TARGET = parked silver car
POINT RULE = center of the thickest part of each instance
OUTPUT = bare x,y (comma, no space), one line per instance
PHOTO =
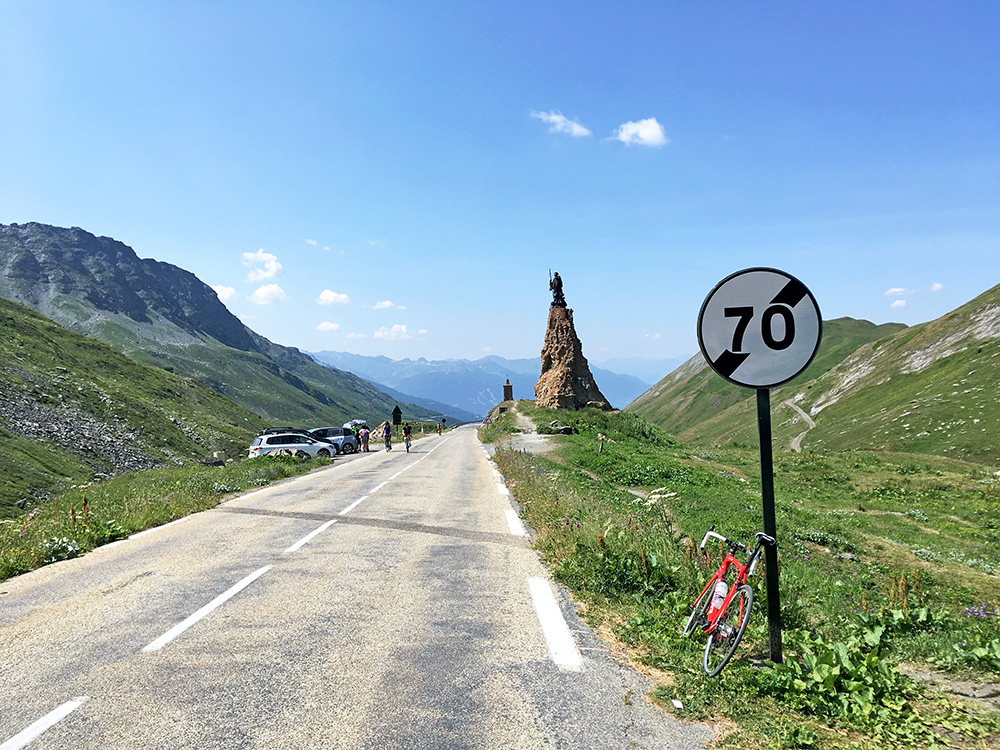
342,437
293,442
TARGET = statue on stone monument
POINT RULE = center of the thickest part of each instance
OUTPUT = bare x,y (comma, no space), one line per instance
555,285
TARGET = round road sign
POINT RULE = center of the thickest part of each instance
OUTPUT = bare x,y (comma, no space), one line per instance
759,328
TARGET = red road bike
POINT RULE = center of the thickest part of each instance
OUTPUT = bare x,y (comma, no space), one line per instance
722,611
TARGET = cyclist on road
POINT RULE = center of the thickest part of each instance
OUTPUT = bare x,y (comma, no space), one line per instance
387,434
407,434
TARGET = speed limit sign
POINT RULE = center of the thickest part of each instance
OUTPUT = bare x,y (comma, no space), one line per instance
759,327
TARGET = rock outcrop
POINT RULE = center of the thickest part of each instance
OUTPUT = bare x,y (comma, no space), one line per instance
566,381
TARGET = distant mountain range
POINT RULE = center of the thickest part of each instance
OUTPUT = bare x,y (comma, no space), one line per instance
929,388
163,315
473,386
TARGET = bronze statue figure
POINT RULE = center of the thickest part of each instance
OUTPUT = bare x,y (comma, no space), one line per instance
555,285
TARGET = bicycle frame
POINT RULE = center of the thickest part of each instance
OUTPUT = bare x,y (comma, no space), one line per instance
743,572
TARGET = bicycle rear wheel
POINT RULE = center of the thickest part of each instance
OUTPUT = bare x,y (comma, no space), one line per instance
697,620
728,633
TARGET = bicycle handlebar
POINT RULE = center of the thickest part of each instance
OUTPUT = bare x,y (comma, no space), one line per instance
711,534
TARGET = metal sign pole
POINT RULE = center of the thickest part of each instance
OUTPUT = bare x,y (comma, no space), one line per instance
760,328
767,496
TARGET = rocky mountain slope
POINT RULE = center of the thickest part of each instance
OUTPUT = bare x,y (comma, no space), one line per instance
931,388
163,315
73,409
475,386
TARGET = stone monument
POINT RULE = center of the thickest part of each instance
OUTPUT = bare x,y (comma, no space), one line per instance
566,381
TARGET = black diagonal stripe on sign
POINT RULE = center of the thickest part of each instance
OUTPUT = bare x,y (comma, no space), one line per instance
791,294
728,361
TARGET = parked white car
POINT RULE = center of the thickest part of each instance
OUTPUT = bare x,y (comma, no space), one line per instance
292,442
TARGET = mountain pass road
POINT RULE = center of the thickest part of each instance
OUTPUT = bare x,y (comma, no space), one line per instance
388,601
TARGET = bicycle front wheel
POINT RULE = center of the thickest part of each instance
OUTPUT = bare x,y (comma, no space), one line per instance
698,620
728,633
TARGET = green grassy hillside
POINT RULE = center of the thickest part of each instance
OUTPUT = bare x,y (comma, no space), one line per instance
888,563
931,388
693,393
73,409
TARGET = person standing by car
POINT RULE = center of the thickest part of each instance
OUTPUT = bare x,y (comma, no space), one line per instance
407,434
363,434
387,434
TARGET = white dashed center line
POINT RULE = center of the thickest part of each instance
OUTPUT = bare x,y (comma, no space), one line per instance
175,631
309,537
36,730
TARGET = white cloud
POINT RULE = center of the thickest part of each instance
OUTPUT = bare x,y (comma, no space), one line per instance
328,297
559,123
487,349
225,292
267,294
357,336
897,304
898,291
328,326
270,265
646,132
422,332
396,333
384,304
376,243
653,336
311,242
935,287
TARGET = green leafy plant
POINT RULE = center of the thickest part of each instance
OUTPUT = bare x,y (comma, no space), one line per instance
841,681
59,548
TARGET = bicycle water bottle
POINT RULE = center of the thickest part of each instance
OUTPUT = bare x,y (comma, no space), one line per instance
718,596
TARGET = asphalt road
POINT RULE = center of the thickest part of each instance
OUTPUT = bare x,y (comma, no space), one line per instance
384,602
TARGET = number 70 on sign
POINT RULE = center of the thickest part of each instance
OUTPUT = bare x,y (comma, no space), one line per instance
759,327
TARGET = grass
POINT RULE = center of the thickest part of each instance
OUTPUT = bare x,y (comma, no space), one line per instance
87,517
885,558
86,387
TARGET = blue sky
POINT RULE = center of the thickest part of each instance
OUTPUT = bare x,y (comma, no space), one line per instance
407,173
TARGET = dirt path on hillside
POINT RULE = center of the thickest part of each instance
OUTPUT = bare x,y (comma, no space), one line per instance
796,444
528,439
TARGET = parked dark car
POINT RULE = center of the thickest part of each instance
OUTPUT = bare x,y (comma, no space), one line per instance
342,437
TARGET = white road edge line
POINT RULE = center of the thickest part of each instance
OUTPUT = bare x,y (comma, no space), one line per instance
353,505
562,648
176,630
309,537
154,528
376,489
514,522
36,730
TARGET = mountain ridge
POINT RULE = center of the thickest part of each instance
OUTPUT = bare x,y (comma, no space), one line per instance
163,315
927,388
475,386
